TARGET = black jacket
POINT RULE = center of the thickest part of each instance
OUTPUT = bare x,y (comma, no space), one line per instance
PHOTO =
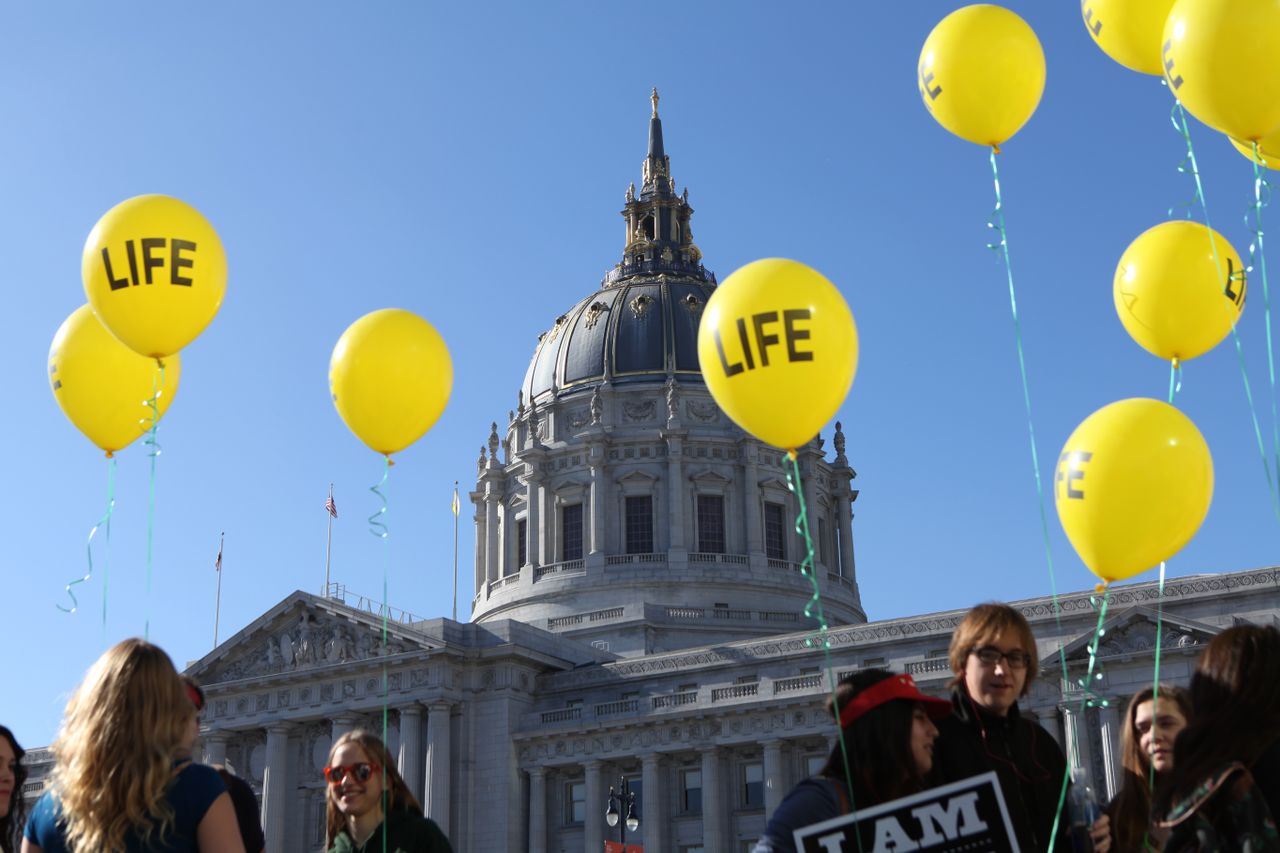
1026,759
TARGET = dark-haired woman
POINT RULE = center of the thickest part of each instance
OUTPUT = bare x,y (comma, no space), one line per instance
369,807
1224,791
12,775
888,732
1152,723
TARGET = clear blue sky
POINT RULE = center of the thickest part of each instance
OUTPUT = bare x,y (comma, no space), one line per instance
467,161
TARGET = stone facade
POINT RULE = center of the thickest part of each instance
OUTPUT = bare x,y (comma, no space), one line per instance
640,611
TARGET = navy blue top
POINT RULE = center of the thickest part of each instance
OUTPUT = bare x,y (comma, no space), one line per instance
191,794
812,801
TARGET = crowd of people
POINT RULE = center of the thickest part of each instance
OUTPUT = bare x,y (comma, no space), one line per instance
1201,767
124,778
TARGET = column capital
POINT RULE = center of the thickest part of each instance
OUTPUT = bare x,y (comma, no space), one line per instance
593,764
438,706
538,772
279,728
413,709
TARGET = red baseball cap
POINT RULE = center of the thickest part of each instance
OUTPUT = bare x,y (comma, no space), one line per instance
896,687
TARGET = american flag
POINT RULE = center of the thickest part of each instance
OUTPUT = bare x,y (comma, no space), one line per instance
217,564
331,506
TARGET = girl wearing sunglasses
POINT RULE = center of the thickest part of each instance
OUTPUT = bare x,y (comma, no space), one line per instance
368,800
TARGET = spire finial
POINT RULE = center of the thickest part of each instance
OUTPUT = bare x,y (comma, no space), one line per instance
654,99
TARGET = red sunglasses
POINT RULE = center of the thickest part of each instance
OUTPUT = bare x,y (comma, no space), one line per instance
360,772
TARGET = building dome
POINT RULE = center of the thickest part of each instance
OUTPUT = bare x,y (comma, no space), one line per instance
634,330
625,508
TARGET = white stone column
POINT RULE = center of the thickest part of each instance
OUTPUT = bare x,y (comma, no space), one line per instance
753,521
593,830
537,810
480,520
597,499
274,790
1110,737
533,530
410,763
438,760
215,748
492,546
1071,735
775,786
653,822
844,521
675,495
342,724
713,807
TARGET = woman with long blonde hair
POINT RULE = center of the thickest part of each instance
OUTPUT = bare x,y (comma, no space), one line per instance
369,807
122,778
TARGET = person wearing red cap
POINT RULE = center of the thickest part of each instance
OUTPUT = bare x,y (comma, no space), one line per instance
888,733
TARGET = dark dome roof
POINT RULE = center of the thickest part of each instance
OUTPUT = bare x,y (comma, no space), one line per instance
640,329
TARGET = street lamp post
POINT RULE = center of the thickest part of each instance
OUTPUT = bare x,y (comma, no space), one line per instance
624,800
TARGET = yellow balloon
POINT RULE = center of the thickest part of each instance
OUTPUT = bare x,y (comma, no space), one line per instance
1268,147
1220,59
1132,486
778,349
155,273
390,376
981,73
102,386
1179,289
1128,31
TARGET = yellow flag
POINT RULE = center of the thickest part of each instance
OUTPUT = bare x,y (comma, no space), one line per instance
455,500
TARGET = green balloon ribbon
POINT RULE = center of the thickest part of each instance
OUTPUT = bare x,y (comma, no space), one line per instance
1178,117
104,524
153,452
1261,198
813,610
378,527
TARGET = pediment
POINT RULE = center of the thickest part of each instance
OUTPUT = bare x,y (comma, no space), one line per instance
304,633
1133,632
710,478
637,478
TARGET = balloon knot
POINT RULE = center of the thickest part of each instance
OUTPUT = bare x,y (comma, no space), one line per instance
791,454
110,455
1101,588
160,362
995,149
390,462
1175,362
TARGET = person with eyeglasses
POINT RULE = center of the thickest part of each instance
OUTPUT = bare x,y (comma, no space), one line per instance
994,660
369,807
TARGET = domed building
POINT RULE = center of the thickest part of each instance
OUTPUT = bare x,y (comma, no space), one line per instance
639,614
625,509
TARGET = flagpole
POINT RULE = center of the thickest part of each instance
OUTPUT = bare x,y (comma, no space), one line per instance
217,606
328,545
455,551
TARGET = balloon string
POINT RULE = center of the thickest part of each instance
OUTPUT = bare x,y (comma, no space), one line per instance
378,527
103,522
1261,198
153,445
1179,119
1155,692
813,610
1001,246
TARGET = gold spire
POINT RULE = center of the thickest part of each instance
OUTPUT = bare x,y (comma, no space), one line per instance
654,99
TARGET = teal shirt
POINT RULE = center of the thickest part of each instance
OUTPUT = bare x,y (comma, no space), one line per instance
405,833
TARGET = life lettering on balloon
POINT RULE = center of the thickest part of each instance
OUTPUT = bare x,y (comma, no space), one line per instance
1175,79
1094,25
1070,472
763,339
1236,296
148,254
926,84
